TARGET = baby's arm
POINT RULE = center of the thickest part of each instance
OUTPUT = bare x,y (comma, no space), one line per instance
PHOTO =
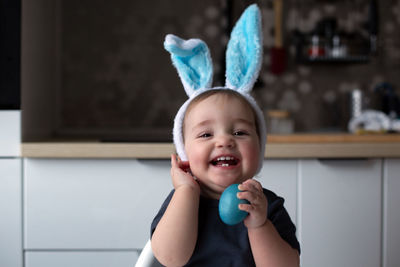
175,236
268,248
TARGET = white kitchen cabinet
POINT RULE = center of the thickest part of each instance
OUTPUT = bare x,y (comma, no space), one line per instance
280,176
10,133
340,212
391,213
81,259
10,212
87,212
92,204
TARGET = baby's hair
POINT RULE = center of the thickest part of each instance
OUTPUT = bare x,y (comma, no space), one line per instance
221,91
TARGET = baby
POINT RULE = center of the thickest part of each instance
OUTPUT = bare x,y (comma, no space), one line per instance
219,134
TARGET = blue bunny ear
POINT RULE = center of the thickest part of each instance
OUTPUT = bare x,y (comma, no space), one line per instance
192,60
244,52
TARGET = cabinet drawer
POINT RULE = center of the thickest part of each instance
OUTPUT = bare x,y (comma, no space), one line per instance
92,204
81,259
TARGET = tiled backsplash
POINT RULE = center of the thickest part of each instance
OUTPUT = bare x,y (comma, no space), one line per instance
117,80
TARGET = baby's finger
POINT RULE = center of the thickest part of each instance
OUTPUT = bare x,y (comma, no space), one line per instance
246,207
251,185
175,164
247,187
174,161
256,184
252,197
244,186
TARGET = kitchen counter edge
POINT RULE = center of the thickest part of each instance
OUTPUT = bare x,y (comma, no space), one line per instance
278,146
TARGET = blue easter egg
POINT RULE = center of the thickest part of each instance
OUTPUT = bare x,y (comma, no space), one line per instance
229,211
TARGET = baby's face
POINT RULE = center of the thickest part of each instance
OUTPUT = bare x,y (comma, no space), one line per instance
221,142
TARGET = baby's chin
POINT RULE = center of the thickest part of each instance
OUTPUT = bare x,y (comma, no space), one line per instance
215,190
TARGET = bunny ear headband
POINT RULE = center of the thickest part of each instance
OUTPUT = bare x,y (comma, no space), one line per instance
243,62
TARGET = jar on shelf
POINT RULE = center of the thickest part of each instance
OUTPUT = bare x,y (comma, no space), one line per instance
279,122
316,48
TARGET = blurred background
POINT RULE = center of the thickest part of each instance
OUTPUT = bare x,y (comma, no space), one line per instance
116,82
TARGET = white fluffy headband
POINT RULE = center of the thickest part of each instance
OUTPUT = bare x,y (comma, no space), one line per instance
243,62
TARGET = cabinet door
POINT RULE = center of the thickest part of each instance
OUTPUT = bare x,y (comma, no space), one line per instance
391,238
10,133
81,259
280,176
340,212
10,213
92,204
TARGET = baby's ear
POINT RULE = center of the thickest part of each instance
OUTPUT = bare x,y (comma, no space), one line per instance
244,52
192,60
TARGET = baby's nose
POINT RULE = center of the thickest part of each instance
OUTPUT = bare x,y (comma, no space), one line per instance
225,140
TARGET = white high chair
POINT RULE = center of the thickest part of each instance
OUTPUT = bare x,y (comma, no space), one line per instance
146,257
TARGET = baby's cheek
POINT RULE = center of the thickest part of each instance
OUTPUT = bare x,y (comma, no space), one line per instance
195,163
197,166
253,154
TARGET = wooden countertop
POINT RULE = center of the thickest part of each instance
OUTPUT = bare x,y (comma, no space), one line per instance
278,146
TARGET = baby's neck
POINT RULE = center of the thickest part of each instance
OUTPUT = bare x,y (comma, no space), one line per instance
208,193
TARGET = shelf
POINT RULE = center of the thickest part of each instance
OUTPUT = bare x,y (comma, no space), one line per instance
327,59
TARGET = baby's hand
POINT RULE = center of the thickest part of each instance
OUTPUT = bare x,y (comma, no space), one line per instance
257,209
181,175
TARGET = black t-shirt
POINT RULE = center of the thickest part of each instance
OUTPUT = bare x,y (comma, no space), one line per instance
219,244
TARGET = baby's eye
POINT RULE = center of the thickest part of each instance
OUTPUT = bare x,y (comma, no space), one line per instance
204,135
239,133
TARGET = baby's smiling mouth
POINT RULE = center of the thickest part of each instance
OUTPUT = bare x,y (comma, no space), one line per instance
224,161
